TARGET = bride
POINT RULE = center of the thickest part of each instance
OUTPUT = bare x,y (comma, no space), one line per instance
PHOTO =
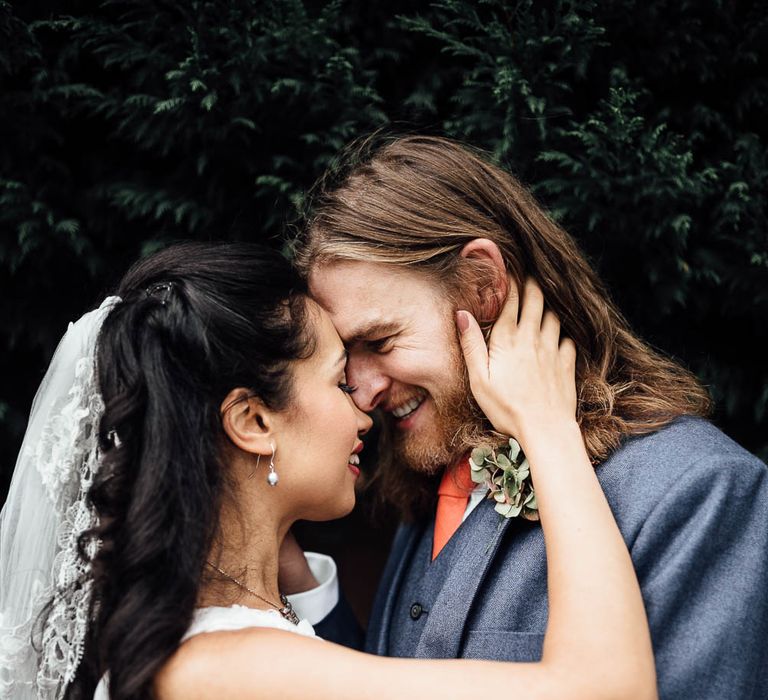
181,430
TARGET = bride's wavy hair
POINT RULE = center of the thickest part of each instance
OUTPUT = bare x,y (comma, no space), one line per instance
196,320
415,201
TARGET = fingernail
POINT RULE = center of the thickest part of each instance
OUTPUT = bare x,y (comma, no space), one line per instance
462,320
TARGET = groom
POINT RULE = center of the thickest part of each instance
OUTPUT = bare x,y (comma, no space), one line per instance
413,230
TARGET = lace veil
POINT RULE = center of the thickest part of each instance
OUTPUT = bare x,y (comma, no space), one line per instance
40,522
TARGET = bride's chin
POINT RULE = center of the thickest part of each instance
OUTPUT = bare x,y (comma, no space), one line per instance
338,509
346,508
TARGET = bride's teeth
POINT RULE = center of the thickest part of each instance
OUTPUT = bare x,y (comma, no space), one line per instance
354,459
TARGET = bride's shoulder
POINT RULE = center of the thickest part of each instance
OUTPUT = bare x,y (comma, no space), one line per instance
227,663
224,646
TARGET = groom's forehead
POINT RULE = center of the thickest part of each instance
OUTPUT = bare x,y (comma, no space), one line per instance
369,300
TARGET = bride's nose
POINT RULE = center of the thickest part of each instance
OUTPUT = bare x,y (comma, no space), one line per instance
364,422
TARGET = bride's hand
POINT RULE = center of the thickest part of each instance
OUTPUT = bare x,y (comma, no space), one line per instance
524,379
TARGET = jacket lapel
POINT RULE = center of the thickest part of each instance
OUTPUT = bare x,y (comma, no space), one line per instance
377,639
443,631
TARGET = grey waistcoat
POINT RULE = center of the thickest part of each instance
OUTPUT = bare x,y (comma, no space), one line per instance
421,585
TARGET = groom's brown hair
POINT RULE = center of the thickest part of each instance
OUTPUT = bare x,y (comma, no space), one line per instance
417,200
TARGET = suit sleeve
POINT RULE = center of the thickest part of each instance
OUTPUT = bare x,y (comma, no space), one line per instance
341,626
702,561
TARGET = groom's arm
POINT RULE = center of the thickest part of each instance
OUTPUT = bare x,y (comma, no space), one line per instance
702,561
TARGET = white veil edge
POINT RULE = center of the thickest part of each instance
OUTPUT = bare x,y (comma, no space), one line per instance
45,513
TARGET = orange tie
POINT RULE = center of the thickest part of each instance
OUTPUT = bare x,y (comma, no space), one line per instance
453,495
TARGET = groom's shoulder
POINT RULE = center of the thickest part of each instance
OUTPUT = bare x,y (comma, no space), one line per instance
687,447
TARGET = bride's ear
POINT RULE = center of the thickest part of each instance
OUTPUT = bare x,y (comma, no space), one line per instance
247,422
485,280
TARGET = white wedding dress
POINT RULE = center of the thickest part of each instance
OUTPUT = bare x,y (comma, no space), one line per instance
220,619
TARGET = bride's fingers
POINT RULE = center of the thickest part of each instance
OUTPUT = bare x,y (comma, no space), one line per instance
504,328
473,348
508,317
533,307
567,356
550,330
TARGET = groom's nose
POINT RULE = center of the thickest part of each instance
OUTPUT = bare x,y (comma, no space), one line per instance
371,382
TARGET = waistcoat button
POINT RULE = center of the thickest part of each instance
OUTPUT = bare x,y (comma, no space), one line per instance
416,611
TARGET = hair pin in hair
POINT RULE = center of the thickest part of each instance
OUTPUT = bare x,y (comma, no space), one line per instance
162,290
113,439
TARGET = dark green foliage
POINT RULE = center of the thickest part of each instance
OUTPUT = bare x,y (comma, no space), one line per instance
639,124
142,122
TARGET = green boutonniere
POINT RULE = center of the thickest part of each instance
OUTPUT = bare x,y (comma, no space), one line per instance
508,477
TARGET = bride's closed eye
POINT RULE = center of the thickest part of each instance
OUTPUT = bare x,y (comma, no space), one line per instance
346,388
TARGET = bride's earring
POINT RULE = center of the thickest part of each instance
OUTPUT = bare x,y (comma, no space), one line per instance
272,477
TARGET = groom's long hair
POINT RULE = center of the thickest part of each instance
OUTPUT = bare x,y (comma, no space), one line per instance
417,200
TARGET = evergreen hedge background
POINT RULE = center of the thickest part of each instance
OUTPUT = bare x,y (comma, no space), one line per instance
639,123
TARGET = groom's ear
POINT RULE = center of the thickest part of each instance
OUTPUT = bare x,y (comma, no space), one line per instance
485,281
247,422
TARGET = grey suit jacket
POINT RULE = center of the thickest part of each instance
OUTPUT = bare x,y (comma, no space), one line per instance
693,509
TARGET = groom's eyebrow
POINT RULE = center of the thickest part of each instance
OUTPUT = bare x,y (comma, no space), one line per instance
373,329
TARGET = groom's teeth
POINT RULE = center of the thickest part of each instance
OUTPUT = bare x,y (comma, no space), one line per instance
354,459
408,407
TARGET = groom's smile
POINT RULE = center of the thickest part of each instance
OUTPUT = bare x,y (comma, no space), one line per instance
404,411
404,357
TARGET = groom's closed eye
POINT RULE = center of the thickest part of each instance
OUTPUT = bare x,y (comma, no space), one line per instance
374,332
380,344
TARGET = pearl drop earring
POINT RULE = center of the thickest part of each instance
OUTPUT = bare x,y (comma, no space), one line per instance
272,477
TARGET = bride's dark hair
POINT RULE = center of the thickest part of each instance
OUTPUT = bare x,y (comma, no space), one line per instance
196,320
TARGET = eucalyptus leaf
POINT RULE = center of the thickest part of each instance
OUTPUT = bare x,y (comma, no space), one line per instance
508,482
479,454
531,515
479,477
508,511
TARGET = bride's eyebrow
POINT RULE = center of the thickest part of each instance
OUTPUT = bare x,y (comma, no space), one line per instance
373,329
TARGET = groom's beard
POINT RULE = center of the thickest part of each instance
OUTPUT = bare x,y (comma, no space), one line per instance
457,426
